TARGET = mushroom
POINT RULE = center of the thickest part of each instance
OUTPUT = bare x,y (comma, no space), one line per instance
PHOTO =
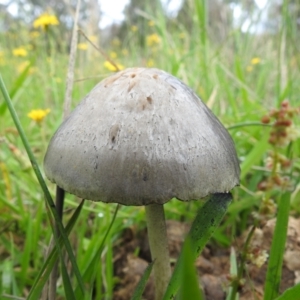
142,137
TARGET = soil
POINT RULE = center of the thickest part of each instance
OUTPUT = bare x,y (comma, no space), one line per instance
132,255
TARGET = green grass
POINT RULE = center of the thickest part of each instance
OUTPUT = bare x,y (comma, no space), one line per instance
218,71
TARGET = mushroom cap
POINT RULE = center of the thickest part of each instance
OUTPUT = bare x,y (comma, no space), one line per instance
141,136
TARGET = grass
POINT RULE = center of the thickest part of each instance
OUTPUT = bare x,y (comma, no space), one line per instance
238,92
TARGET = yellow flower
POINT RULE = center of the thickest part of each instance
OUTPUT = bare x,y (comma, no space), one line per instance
134,28
153,39
38,115
150,63
82,46
21,51
108,65
151,23
255,60
45,20
113,55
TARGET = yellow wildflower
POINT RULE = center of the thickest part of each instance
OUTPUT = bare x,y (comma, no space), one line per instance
134,28
255,60
151,23
82,46
108,65
113,54
150,63
38,115
21,51
153,39
45,20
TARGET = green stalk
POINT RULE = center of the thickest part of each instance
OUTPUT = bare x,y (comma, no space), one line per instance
49,200
246,124
207,220
273,276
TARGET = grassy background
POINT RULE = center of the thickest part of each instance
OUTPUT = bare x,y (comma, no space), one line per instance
238,90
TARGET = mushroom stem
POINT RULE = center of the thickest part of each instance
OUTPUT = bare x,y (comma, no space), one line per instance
158,240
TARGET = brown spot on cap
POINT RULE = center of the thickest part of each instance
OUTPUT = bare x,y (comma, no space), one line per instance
131,85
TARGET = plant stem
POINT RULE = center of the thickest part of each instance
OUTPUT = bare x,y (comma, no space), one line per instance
273,276
158,240
59,203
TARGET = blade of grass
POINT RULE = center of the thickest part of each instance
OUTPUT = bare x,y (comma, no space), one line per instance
26,252
17,85
255,155
89,273
273,275
109,268
69,293
66,279
6,278
189,280
233,272
246,124
14,287
42,183
138,292
45,271
207,220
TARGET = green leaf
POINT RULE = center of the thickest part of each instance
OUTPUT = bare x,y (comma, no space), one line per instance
207,220
16,86
189,280
255,155
137,295
67,282
89,272
292,293
26,252
47,267
233,272
273,275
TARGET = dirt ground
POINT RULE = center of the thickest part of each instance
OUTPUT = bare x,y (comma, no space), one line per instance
213,265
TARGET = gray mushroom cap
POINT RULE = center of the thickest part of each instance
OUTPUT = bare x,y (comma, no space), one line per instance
141,136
